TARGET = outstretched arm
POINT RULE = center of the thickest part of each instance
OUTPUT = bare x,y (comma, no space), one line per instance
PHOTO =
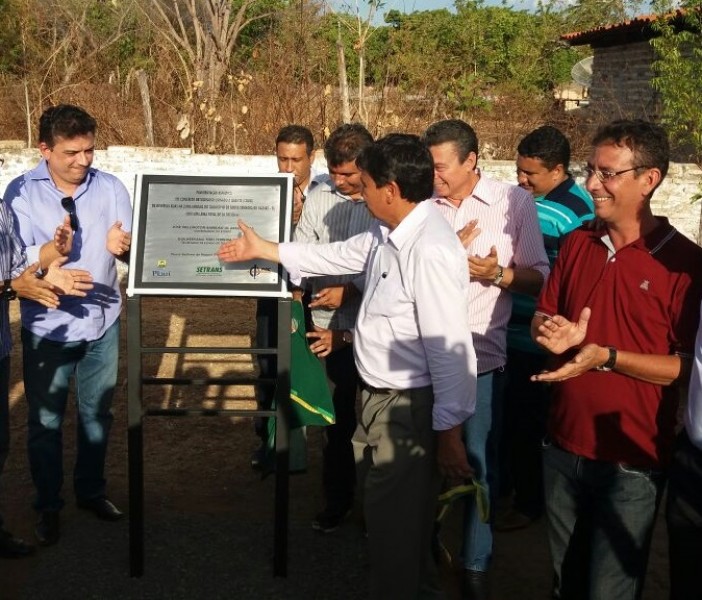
248,246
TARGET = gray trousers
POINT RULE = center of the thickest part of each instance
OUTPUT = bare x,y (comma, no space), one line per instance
395,451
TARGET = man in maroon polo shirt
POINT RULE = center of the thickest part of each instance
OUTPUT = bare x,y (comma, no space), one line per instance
619,313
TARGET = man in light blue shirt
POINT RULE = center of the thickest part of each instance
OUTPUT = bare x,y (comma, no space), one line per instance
20,280
79,339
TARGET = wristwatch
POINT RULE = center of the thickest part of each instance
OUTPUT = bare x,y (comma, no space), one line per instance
500,276
347,336
7,292
611,361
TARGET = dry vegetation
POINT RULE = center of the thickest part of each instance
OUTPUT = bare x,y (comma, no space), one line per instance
282,70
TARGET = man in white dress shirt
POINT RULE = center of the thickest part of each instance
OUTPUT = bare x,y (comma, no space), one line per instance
413,350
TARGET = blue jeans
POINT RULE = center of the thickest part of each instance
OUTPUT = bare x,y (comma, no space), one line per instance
48,368
482,438
600,521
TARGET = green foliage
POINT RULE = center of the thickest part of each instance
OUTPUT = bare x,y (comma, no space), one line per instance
10,41
588,14
678,76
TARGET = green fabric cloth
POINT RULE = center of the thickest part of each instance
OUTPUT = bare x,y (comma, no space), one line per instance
310,396
309,390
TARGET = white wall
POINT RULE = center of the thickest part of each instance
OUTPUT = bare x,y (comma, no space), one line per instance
672,200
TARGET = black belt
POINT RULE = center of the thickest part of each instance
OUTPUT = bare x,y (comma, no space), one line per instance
375,390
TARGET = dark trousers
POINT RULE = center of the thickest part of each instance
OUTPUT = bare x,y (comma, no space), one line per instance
684,518
4,414
339,466
524,427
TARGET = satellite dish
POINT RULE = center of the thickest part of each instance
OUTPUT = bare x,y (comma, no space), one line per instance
582,72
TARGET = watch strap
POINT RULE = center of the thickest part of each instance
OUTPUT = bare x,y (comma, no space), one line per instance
7,292
500,275
611,360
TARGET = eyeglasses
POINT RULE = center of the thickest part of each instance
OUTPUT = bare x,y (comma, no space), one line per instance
2,161
69,205
605,176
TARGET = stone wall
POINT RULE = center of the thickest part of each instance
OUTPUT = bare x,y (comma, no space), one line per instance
621,77
673,199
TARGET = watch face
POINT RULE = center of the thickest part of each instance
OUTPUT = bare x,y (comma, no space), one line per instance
7,292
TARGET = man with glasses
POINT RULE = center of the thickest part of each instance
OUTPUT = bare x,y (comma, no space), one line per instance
619,315
20,280
80,339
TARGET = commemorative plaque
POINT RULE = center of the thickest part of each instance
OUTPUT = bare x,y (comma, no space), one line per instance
181,220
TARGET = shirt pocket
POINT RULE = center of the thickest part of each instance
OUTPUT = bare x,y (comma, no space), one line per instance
388,300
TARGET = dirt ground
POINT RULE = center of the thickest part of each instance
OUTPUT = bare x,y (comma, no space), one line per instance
208,515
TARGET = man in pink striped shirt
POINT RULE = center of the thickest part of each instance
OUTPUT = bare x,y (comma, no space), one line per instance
499,226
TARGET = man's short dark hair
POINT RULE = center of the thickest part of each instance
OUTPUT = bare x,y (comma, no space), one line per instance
296,134
548,145
453,130
647,141
346,143
404,159
64,121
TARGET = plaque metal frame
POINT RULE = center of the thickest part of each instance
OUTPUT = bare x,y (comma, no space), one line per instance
213,218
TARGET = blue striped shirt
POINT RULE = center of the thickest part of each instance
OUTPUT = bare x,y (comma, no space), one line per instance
12,264
329,216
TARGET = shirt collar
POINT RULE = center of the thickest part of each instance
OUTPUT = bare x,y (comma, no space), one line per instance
41,172
405,231
651,243
481,192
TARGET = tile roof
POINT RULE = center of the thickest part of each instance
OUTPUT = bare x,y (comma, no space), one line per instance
636,29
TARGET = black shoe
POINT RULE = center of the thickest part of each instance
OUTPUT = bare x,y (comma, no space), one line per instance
102,508
12,547
475,585
48,528
329,519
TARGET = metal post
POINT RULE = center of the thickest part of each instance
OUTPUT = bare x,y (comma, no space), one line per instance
135,438
282,441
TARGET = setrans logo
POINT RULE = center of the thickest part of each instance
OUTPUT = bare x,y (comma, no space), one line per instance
208,270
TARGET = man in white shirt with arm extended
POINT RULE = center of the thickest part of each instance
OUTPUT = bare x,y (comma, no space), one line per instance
413,350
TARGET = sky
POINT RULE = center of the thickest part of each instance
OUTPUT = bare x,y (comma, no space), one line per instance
409,6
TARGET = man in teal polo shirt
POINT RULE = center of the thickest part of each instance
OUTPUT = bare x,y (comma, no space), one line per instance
562,206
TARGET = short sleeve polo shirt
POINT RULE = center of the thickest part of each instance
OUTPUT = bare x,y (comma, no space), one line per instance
644,298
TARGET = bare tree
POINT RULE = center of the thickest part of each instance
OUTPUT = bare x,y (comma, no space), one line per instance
362,27
204,34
